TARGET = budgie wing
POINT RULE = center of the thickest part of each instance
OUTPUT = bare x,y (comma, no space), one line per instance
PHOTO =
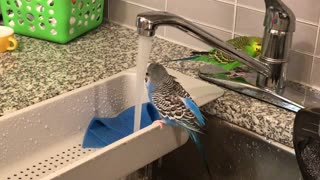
173,109
189,103
177,88
194,109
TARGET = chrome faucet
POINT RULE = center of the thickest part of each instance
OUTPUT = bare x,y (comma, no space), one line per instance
279,23
279,27
271,66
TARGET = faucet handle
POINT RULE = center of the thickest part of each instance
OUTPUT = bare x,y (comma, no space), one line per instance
279,17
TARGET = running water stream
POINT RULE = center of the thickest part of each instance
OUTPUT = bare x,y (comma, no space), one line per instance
144,49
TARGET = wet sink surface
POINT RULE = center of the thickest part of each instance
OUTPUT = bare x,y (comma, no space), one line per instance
233,154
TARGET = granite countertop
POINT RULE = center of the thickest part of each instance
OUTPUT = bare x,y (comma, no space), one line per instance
39,70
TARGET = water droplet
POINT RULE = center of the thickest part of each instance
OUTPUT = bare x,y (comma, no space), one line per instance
278,150
4,134
46,126
30,139
79,127
35,142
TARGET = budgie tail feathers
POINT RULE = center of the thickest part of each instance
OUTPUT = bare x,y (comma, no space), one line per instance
190,126
185,58
195,138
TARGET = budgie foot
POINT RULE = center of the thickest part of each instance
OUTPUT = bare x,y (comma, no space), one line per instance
160,122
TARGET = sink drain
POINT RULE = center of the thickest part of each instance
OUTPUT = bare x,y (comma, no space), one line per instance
51,164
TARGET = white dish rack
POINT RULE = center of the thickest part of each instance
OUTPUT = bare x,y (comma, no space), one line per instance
43,141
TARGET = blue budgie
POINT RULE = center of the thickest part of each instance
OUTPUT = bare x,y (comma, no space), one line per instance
174,104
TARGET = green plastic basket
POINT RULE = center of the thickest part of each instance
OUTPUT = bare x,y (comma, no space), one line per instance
54,20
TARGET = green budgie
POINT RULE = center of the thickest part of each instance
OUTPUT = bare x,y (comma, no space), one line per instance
249,44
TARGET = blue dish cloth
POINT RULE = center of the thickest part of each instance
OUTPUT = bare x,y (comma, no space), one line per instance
104,131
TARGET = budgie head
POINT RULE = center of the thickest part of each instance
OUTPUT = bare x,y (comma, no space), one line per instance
155,73
250,44
254,49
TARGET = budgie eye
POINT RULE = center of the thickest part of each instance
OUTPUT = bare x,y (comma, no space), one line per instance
147,74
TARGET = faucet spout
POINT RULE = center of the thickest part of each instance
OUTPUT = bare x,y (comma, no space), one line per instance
148,22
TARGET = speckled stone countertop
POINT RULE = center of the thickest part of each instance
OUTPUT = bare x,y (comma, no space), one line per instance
39,70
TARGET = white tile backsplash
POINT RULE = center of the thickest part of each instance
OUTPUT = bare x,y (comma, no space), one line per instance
304,38
318,46
257,4
221,18
249,22
308,10
155,4
125,13
315,76
175,34
204,11
300,63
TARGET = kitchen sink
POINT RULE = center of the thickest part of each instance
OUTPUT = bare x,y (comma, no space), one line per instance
44,141
233,153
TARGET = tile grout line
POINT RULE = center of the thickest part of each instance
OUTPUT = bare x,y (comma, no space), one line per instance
250,8
140,5
234,18
166,9
166,5
211,26
306,22
315,51
226,2
262,11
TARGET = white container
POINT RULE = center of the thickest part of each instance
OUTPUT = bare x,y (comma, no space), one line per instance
43,141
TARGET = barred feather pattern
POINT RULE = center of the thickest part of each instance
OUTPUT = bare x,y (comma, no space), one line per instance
240,42
221,57
167,98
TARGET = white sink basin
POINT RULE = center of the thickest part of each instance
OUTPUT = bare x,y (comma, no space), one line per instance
44,140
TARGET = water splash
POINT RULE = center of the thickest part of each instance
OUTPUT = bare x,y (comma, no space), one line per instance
144,49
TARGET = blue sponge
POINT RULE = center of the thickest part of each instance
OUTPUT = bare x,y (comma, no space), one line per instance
104,131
